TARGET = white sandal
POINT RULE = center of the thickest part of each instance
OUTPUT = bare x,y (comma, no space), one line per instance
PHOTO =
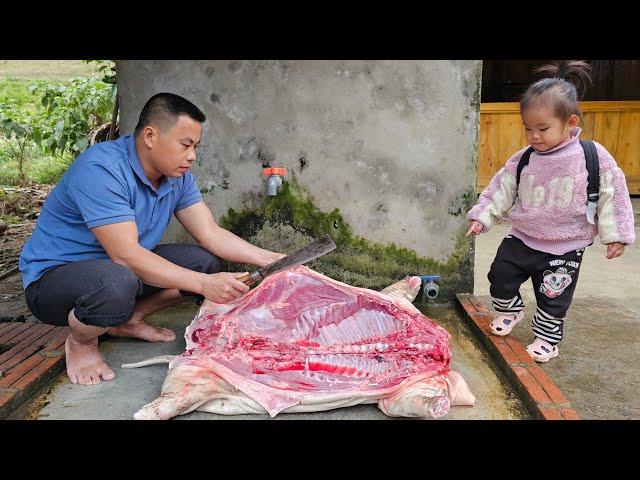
503,324
542,351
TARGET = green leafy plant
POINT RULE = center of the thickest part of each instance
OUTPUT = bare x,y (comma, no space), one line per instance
44,124
19,128
71,110
107,68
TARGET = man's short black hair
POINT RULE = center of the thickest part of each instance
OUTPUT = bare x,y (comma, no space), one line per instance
163,109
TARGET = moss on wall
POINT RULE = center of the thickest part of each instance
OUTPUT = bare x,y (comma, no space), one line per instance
290,220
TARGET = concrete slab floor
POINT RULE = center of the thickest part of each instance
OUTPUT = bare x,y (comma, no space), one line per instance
597,368
132,388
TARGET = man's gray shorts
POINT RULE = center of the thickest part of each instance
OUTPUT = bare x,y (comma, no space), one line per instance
102,292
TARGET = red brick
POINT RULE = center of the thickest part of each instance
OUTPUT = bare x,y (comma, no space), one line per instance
5,398
533,388
551,388
7,337
481,321
507,353
21,351
38,373
465,302
47,337
9,353
59,339
26,342
484,328
5,327
36,334
551,414
19,370
519,350
570,414
479,306
31,330
18,354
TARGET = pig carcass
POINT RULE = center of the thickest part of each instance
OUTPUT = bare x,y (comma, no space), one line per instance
303,342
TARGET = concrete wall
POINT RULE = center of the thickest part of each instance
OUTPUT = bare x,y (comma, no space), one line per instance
391,144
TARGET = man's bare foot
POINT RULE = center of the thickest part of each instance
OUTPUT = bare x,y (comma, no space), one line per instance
137,328
85,363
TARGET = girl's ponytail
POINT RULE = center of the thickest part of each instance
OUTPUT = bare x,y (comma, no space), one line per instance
563,84
577,72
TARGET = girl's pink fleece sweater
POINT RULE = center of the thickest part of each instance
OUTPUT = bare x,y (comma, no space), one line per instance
549,211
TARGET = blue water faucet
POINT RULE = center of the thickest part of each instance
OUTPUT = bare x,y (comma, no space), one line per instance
429,287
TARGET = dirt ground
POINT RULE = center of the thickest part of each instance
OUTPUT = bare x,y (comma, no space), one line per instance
19,210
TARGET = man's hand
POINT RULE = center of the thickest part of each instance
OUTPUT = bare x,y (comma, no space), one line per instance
223,287
615,249
474,227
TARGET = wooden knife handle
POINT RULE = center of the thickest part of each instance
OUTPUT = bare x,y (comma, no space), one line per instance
247,279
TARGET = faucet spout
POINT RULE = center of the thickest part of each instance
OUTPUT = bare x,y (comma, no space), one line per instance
273,182
275,179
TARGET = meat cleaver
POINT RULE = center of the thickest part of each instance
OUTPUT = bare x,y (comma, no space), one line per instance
319,247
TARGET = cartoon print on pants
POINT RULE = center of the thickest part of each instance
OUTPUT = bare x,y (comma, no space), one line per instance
553,284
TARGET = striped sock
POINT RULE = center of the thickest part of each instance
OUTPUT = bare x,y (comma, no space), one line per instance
547,327
513,305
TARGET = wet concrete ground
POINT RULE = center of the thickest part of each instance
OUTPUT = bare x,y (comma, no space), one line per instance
132,388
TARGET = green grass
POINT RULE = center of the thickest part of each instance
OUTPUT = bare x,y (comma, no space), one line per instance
46,69
17,91
40,168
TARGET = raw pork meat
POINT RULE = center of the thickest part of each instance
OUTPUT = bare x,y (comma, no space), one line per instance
303,342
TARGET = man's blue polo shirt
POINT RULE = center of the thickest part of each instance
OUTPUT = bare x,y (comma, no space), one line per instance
106,184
